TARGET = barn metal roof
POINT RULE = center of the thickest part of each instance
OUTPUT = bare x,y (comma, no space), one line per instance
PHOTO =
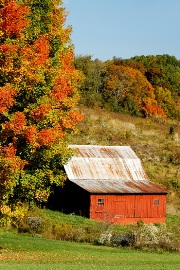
109,169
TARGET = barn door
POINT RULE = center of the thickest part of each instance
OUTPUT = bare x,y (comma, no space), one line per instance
120,209
143,206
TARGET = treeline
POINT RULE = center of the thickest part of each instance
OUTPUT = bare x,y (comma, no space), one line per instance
147,86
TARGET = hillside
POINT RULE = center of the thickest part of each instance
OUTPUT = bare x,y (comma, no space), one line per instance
146,86
156,144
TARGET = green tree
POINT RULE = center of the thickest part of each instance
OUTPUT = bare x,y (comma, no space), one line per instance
162,70
38,98
92,87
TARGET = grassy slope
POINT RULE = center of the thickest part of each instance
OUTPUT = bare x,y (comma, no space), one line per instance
151,140
154,145
24,252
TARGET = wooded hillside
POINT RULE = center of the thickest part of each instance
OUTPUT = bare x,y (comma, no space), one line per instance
147,86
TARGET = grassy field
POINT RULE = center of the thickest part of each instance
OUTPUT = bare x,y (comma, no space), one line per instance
25,252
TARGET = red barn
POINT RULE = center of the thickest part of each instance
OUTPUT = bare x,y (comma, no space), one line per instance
108,183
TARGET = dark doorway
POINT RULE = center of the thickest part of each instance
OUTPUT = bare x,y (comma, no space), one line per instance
70,199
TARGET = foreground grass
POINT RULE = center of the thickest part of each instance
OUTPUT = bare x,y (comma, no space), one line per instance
25,252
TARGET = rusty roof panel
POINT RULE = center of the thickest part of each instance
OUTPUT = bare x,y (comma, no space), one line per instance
97,151
105,168
109,169
116,186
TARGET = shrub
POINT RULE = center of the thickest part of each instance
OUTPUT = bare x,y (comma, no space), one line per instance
105,238
123,240
155,237
35,224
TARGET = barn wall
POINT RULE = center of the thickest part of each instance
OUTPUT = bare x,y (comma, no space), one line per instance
128,209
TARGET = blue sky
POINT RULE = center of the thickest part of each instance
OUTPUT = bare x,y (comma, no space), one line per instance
124,28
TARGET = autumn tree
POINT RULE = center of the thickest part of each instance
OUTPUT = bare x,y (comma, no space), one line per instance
38,98
129,90
166,101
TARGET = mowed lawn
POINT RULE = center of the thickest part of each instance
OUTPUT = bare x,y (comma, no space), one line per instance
30,253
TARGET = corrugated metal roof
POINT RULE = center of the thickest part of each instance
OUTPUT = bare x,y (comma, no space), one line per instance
109,169
120,187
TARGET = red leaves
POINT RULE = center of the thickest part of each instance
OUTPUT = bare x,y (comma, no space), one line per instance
41,112
38,62
58,132
61,89
76,116
13,18
68,58
9,151
15,163
153,110
71,119
8,48
17,124
46,137
30,134
38,53
42,49
6,98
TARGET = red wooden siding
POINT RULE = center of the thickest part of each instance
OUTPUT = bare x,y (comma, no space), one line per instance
128,209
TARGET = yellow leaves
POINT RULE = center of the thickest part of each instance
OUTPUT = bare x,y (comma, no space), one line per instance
13,163
18,212
39,103
42,195
5,210
9,55
71,102
58,18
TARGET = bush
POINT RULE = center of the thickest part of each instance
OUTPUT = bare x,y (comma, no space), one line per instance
32,225
155,237
35,224
105,238
123,240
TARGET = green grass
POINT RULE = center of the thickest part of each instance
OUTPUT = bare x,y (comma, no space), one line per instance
173,224
25,252
96,228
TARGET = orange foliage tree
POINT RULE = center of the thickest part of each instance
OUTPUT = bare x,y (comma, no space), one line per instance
129,89
38,99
